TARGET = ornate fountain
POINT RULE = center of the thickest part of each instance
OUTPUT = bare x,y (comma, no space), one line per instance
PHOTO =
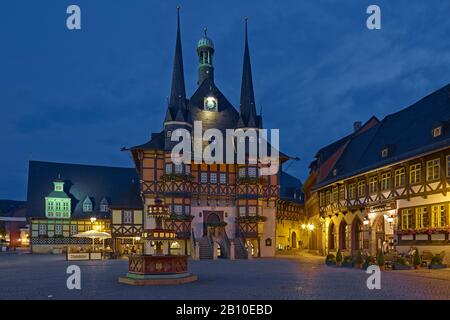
157,266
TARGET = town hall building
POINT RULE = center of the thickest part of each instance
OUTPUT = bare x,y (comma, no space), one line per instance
227,210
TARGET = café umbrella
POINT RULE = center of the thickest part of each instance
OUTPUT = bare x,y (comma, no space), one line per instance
93,234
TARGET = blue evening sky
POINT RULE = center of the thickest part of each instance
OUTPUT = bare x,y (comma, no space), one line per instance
79,96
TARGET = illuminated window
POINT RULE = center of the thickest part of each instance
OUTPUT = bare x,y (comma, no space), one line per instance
341,192
361,188
433,169
400,177
448,166
437,131
407,218
223,178
42,229
335,194
415,173
242,211
188,169
168,168
178,168
322,199
421,217
213,178
351,191
251,211
187,210
73,229
252,172
58,230
127,217
204,177
373,184
386,181
241,172
178,209
328,197
438,216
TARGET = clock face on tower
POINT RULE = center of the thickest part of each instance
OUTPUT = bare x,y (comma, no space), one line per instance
210,104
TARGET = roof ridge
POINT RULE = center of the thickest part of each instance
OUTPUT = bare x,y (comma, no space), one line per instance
79,164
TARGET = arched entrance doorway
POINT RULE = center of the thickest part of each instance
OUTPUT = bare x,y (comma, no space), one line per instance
357,234
331,237
343,228
211,218
294,240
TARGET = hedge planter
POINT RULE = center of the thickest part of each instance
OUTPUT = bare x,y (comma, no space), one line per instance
437,266
397,266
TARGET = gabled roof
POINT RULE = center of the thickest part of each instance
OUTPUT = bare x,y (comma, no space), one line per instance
120,185
225,118
407,134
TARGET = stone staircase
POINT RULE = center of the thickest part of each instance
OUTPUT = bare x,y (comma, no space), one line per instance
240,252
206,248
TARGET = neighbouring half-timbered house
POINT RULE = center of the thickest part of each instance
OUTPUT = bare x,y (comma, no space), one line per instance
63,199
385,186
220,208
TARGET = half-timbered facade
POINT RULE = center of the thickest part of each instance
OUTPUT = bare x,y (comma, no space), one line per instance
386,185
216,206
66,199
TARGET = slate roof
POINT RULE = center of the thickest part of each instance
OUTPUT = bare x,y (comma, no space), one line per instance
407,133
120,186
291,188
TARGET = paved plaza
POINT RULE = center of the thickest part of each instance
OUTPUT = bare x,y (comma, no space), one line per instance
30,276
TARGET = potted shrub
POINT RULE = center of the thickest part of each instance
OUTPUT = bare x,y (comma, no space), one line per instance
416,259
330,260
437,262
380,259
348,262
359,260
401,264
339,258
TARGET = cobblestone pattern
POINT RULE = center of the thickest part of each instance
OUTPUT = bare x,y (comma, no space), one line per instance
26,276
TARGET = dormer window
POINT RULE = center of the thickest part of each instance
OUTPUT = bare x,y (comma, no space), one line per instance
334,172
384,152
104,206
437,131
87,205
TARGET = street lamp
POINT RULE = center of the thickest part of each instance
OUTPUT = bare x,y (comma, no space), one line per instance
310,227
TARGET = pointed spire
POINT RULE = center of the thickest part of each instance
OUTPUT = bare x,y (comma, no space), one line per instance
247,102
177,99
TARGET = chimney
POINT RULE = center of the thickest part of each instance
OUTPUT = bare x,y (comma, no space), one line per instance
356,126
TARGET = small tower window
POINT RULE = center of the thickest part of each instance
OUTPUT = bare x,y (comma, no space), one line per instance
384,152
334,172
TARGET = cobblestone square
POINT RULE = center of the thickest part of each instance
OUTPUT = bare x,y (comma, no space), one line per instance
27,276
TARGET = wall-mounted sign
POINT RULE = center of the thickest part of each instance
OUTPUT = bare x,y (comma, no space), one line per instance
383,207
